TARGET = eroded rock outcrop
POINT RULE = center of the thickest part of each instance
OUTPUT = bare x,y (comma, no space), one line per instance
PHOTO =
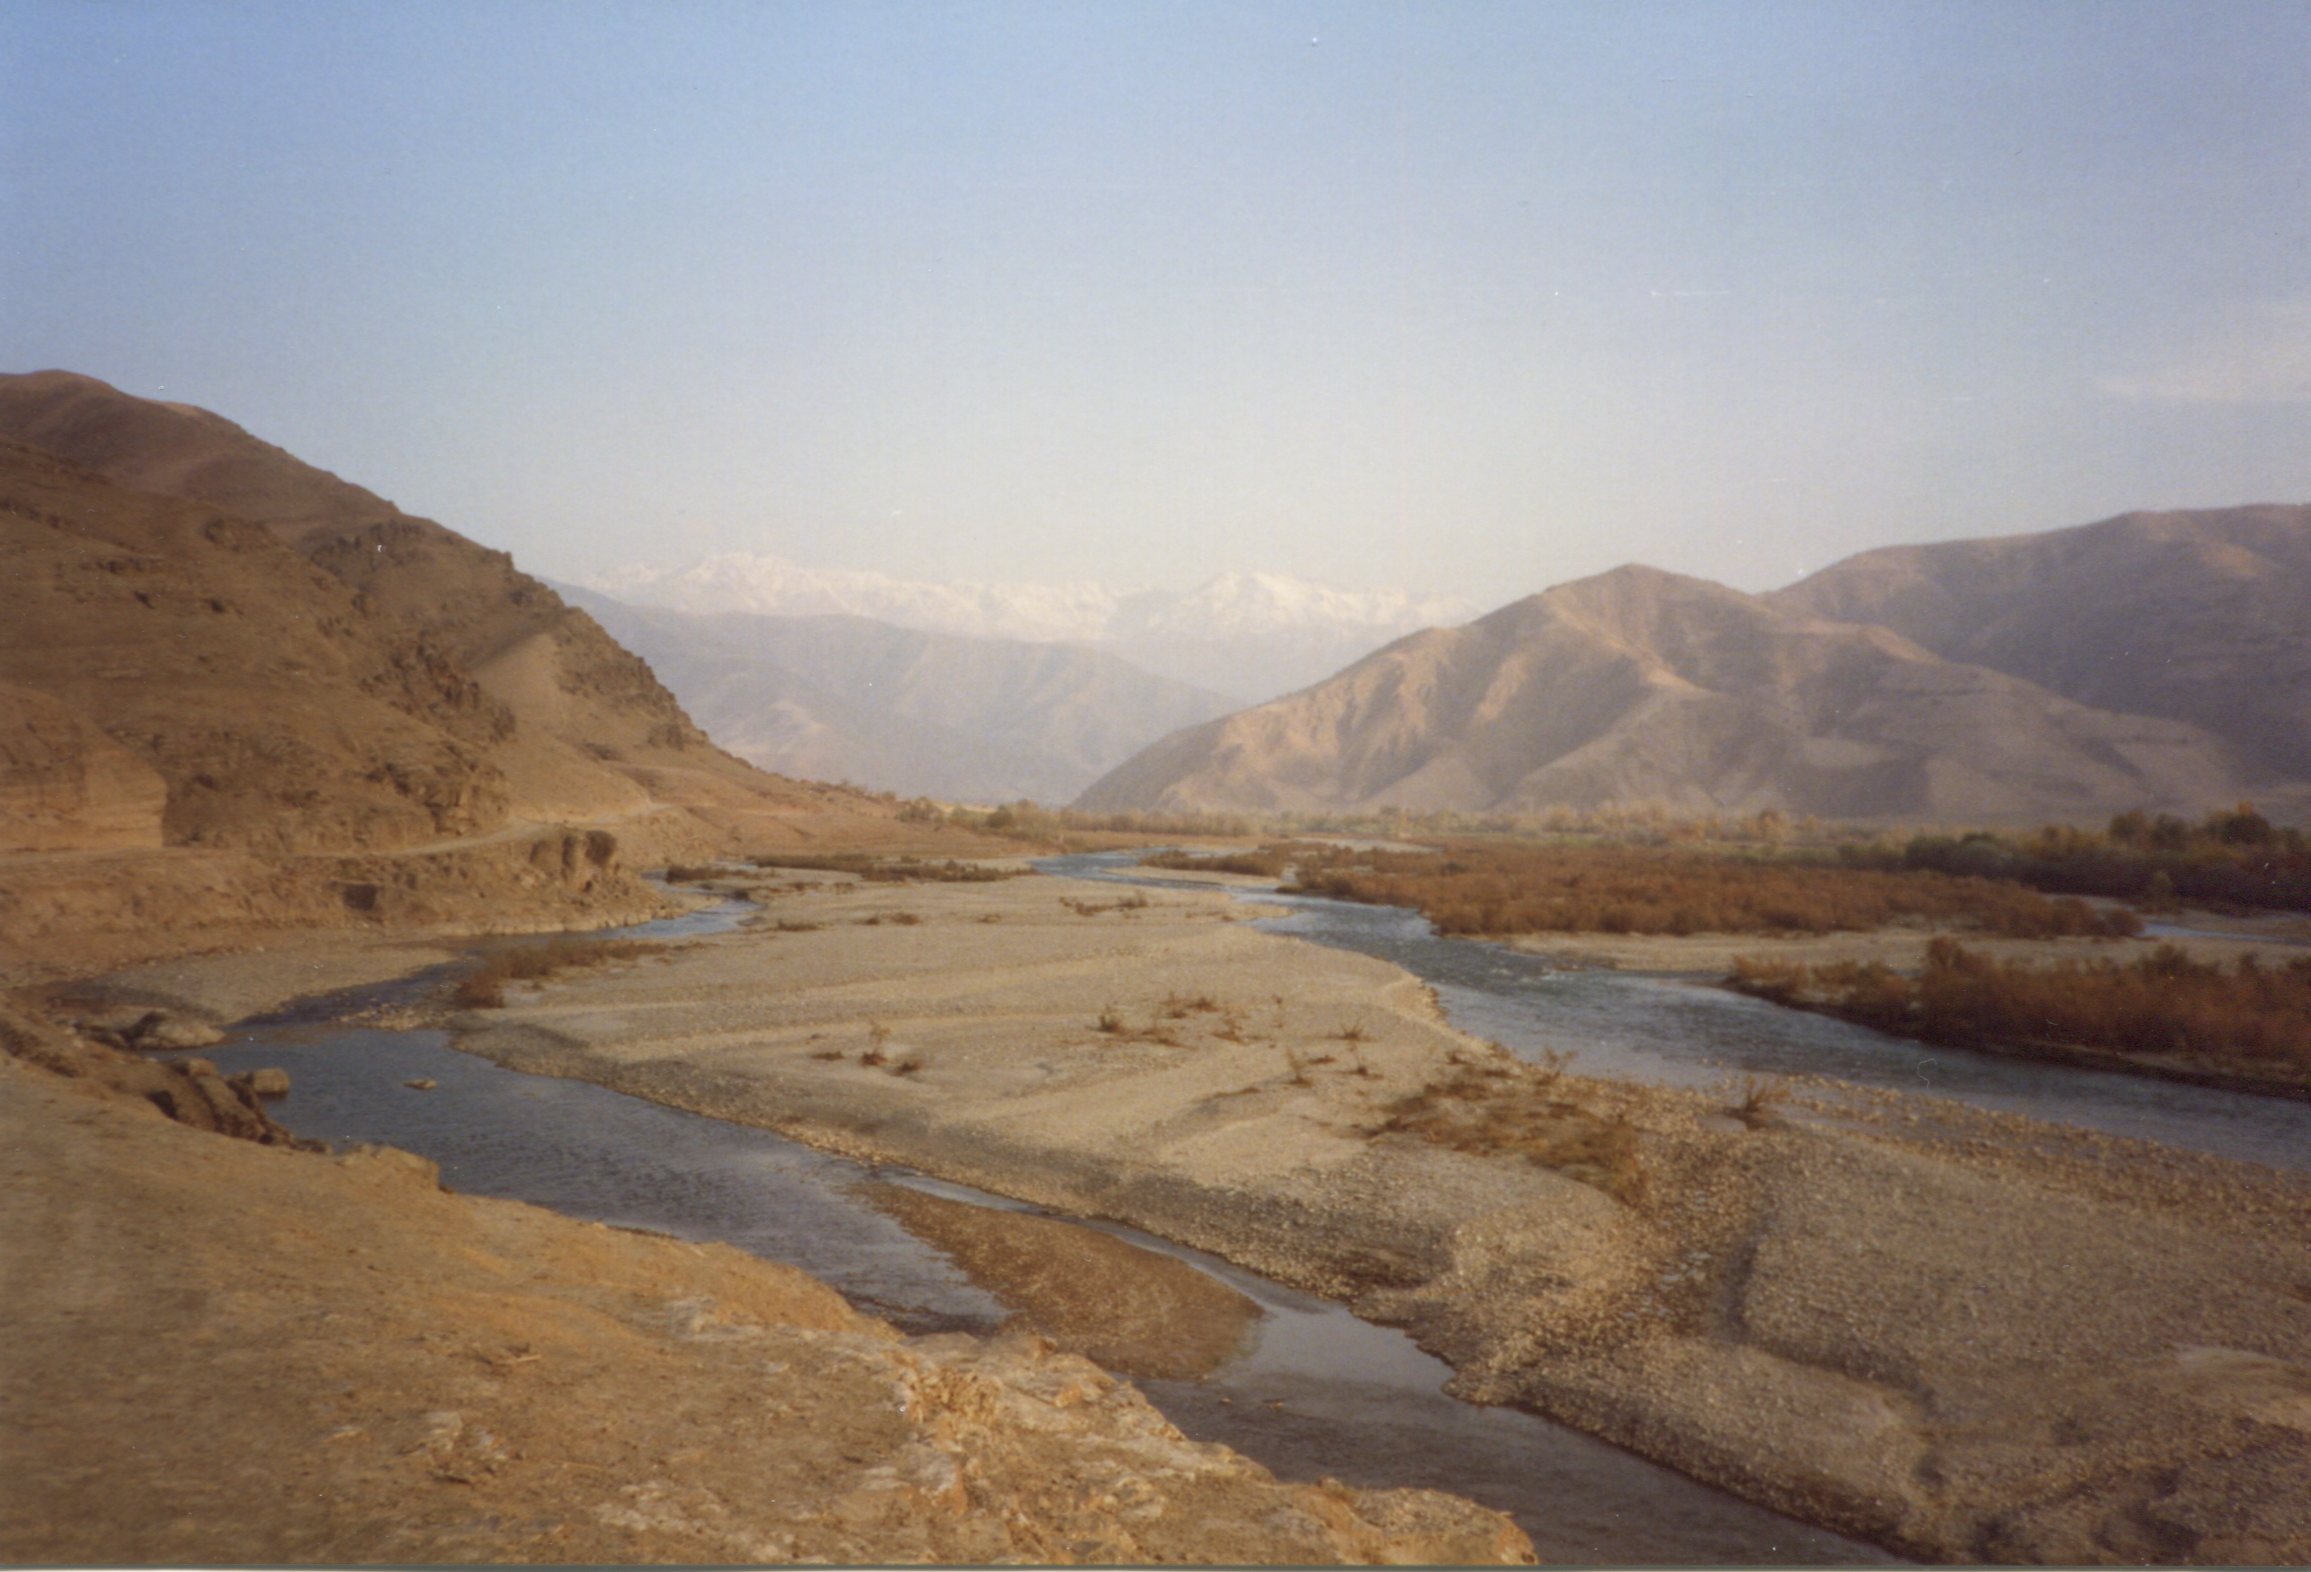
189,1091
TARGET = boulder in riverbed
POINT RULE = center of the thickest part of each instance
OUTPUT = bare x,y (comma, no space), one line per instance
267,1082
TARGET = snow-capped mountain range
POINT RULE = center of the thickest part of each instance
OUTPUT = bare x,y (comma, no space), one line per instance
1250,636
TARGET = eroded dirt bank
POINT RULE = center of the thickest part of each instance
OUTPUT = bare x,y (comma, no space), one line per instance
1962,1334
217,1351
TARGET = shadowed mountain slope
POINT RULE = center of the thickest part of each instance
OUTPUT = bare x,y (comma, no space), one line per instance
923,714
2198,616
593,734
1639,685
159,651
335,715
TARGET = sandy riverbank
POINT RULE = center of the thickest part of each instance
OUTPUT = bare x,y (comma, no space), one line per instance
1961,1334
219,1352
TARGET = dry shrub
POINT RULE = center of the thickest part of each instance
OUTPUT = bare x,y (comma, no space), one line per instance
477,991
2253,1019
1756,1101
890,870
1498,1108
2234,859
1266,863
1136,901
1491,889
1111,1022
483,988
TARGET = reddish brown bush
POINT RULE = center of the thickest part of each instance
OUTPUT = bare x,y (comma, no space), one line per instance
1489,889
483,988
2253,1019
1266,863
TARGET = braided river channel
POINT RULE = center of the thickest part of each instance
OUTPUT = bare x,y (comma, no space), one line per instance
1313,1391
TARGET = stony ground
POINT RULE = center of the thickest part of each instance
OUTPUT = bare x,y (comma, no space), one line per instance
1963,1335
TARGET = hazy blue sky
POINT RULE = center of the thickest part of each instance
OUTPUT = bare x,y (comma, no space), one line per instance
1468,297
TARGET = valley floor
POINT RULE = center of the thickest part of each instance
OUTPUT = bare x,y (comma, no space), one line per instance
213,1351
1961,1334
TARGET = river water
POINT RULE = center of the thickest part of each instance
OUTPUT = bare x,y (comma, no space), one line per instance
1675,1031
1313,1393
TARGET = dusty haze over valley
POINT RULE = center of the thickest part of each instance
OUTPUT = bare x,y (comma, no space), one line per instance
1212,784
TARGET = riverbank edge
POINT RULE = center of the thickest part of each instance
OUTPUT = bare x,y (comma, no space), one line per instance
971,1399
1267,1234
1312,1244
1705,960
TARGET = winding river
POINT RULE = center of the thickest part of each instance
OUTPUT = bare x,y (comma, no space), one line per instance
1679,1031
1314,1391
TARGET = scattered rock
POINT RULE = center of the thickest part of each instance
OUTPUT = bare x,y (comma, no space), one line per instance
162,1033
265,1083
393,1165
146,1030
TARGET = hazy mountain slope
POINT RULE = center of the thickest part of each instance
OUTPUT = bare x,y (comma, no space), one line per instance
594,735
1249,635
2200,616
158,652
1639,685
848,698
1263,634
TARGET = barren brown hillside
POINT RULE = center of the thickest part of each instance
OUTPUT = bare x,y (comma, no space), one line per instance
277,708
2202,616
180,451
207,732
595,734
1639,685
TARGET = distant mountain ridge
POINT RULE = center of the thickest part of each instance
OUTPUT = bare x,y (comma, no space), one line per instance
2202,616
840,697
1640,685
1248,635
